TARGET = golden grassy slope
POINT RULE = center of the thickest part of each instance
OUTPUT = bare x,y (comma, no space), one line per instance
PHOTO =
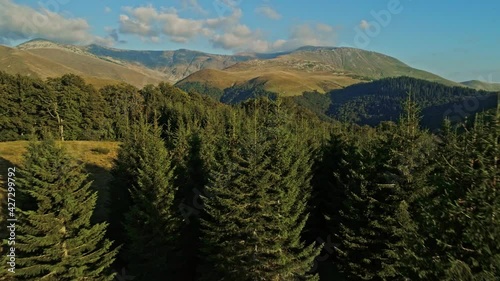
81,150
15,61
288,82
46,62
318,69
98,165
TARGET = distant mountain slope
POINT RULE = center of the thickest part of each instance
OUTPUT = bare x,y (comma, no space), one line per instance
305,69
381,100
15,61
47,44
286,81
43,58
290,73
312,69
479,85
176,65
363,63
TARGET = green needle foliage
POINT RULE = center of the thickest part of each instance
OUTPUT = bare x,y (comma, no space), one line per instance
466,211
55,238
409,164
125,174
374,190
360,209
152,224
256,209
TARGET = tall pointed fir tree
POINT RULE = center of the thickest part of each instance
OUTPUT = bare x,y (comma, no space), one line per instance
435,220
373,190
55,238
328,194
466,209
191,177
353,209
125,173
256,207
152,224
409,165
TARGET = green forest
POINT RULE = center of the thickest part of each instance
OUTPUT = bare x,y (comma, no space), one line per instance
264,189
381,100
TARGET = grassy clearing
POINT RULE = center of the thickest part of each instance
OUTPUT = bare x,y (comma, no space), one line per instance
88,152
96,156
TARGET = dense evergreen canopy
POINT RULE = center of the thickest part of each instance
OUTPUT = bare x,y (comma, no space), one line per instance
265,189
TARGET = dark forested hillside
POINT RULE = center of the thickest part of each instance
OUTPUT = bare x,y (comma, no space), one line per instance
231,95
374,102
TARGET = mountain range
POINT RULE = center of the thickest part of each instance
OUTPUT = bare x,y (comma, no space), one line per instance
306,69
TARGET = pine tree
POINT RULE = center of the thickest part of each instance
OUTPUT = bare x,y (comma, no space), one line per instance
355,211
465,213
374,190
329,193
55,239
256,210
409,165
191,177
152,224
125,173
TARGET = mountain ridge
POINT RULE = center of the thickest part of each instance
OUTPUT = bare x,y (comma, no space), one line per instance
48,59
313,69
307,68
481,85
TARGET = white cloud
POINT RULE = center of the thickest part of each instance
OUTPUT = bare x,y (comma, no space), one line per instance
306,34
133,26
194,5
325,28
155,39
364,25
241,38
222,22
175,26
146,21
268,12
19,22
226,32
107,10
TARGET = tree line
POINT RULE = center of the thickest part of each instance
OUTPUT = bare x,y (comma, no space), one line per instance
263,190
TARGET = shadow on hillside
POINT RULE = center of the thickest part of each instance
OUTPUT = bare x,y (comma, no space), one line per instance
100,178
458,111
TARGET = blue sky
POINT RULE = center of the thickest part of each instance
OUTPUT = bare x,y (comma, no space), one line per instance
456,39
